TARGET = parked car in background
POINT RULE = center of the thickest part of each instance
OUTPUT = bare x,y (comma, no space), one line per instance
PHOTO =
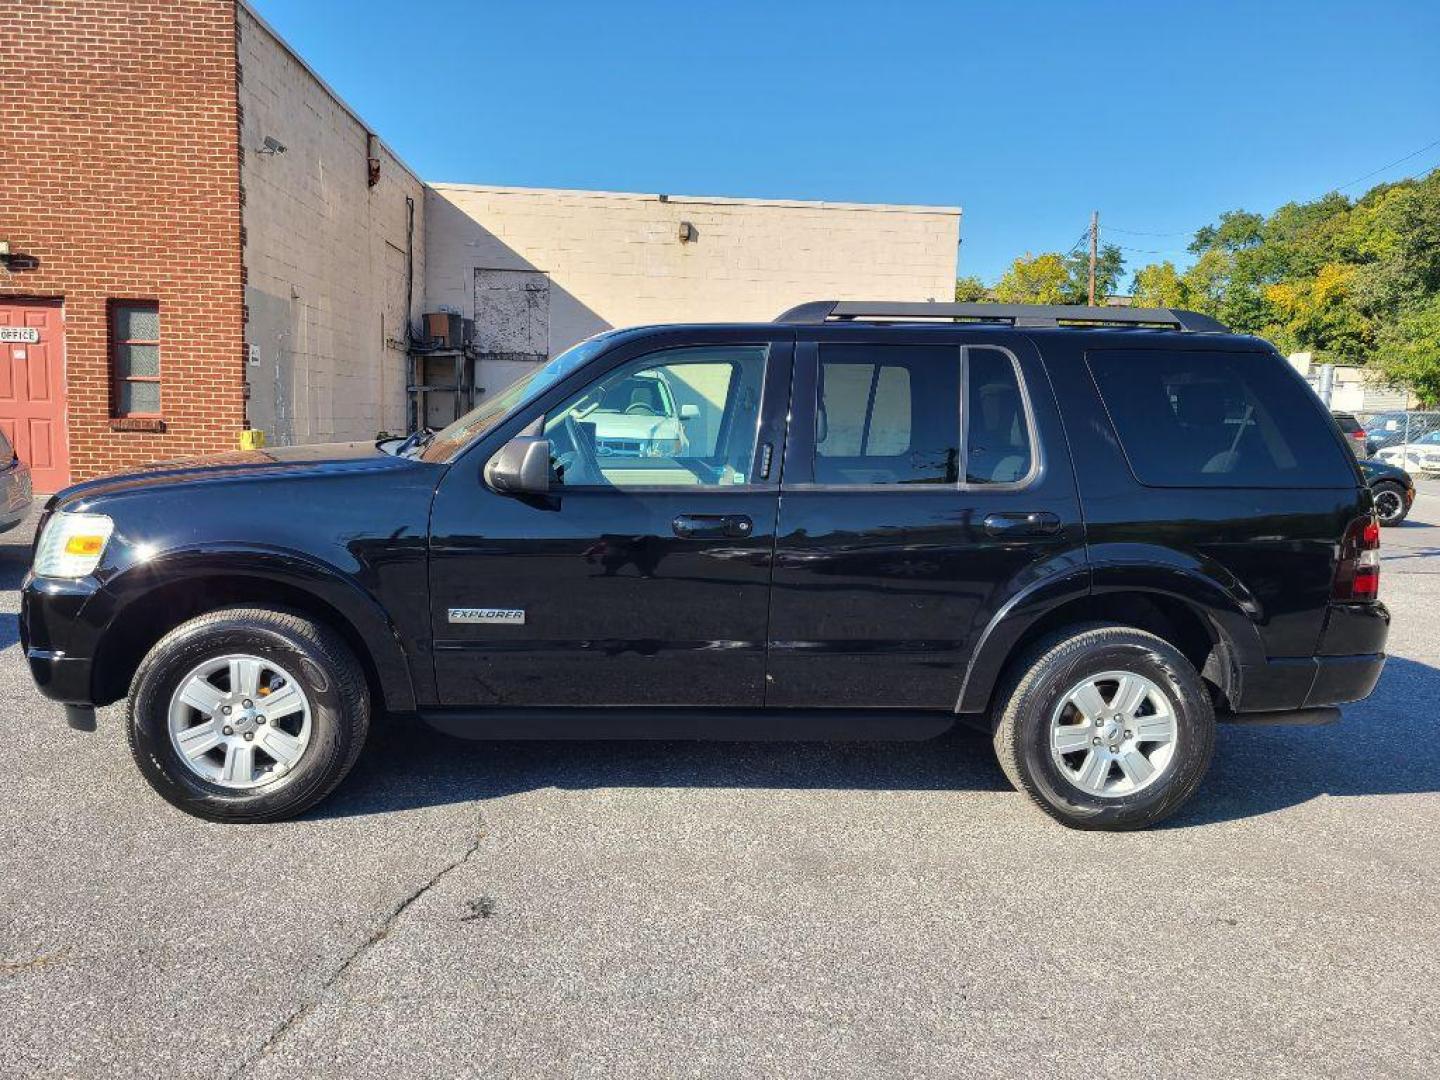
15,493
1091,541
1388,429
1393,489
1422,454
638,417
1354,433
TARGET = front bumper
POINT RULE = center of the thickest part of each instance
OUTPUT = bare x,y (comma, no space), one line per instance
58,640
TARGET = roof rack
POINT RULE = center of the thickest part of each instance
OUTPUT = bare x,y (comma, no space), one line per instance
1037,315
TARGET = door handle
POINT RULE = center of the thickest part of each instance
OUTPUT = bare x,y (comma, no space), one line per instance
1025,523
712,526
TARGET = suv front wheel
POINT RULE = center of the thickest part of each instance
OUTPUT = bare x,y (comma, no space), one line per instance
1106,727
248,714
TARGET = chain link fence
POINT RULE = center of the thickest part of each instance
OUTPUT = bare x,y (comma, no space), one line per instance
1406,438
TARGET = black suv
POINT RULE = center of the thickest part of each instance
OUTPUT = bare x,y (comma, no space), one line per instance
1093,532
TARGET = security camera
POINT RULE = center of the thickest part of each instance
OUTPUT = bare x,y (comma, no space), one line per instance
272,146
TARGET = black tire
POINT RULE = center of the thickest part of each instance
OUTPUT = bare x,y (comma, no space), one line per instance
1390,506
318,658
1038,684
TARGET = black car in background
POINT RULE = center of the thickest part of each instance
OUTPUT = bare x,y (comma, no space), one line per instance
1090,532
1355,435
1393,488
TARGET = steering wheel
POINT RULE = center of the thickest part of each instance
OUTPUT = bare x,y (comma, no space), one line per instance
639,408
576,463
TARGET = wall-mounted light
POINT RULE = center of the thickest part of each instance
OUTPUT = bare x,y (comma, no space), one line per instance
687,232
272,145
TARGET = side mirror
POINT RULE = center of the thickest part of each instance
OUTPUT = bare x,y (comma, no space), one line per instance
689,412
520,467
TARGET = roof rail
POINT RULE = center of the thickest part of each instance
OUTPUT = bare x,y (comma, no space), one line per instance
819,311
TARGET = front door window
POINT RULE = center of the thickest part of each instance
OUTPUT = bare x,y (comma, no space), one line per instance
681,418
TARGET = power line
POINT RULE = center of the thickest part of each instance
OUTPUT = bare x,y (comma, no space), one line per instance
1384,168
1152,251
1358,180
1141,232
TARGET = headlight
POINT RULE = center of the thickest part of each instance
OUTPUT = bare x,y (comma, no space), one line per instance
663,448
72,544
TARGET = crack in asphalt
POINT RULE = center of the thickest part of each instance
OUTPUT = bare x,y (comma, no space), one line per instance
298,1015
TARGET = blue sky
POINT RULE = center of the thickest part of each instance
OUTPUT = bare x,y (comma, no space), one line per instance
1028,115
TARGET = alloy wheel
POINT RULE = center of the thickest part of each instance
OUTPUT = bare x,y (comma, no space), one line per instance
1113,734
239,721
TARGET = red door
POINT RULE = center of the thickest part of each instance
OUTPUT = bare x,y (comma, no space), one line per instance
32,388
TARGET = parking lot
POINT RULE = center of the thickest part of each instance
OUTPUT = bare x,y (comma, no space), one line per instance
656,910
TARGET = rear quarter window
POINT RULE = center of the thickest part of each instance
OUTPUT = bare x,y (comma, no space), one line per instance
1217,419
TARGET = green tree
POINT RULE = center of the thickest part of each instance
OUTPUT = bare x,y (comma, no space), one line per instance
970,290
1236,231
1409,352
1036,279
1160,285
1109,266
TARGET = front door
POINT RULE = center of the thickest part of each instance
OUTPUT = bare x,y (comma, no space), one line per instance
925,485
32,388
643,577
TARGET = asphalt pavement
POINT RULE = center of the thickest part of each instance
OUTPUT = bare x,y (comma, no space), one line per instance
692,910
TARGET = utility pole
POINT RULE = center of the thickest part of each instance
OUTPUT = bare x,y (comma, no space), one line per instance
1094,250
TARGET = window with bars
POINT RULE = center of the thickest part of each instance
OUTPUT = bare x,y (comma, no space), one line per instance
135,357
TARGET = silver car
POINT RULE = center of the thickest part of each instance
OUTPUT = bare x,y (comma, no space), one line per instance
15,493
638,417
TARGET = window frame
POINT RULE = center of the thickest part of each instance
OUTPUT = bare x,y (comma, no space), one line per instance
801,444
768,387
117,379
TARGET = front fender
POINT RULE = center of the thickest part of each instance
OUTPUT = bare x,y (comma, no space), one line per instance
325,584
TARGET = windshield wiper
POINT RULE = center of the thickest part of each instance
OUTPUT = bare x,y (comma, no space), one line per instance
417,441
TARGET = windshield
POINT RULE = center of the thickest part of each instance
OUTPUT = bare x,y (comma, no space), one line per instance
453,438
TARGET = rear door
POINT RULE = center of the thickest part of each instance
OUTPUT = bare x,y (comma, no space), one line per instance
643,577
926,483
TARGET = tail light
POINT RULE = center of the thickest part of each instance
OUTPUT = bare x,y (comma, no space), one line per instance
1357,575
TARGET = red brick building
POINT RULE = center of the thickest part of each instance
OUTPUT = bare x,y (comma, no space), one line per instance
119,199
143,197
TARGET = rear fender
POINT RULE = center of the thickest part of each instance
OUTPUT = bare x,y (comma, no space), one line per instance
1228,611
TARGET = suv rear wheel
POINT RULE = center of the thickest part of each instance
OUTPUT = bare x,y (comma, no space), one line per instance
1106,727
248,714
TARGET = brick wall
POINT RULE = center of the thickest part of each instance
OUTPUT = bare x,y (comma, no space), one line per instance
119,179
325,255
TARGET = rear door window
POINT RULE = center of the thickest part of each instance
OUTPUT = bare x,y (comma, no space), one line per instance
888,415
895,414
1217,419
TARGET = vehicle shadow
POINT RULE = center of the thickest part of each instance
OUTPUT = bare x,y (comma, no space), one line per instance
406,765
1383,746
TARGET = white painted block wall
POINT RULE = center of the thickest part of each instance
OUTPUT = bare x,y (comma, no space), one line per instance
325,256
615,259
